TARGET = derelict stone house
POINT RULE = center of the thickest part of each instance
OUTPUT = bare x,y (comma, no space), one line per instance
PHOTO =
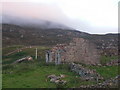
79,50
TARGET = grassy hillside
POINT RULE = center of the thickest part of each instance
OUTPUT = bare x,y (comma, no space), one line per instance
26,52
29,36
17,35
106,71
34,74
11,48
106,59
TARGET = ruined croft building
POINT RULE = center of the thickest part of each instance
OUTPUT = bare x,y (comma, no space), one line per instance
78,50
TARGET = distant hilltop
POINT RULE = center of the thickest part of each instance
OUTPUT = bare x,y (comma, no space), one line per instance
22,35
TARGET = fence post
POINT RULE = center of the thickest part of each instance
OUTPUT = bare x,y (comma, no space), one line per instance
36,54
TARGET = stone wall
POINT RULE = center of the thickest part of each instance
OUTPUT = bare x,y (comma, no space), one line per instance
82,51
85,73
79,50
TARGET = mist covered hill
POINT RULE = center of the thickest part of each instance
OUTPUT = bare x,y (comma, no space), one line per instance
22,35
23,31
32,22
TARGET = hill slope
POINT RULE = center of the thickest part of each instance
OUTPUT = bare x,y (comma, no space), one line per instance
28,35
14,34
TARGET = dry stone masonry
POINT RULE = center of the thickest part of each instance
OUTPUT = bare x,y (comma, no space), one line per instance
79,50
114,82
85,73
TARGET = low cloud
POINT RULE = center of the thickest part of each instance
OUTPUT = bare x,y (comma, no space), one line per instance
56,13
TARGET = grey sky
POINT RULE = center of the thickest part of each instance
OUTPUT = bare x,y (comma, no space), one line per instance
92,16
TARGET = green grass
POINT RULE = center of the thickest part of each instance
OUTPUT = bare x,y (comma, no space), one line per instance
105,59
6,50
31,52
106,71
34,75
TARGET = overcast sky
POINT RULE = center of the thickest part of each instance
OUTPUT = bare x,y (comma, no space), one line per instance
92,16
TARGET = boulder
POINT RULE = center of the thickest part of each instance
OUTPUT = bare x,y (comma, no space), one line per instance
52,76
52,80
57,81
62,76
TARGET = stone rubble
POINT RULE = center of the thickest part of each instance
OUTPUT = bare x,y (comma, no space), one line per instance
57,79
85,73
106,84
62,76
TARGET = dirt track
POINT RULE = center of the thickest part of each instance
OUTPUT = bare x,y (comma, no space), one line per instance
19,50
